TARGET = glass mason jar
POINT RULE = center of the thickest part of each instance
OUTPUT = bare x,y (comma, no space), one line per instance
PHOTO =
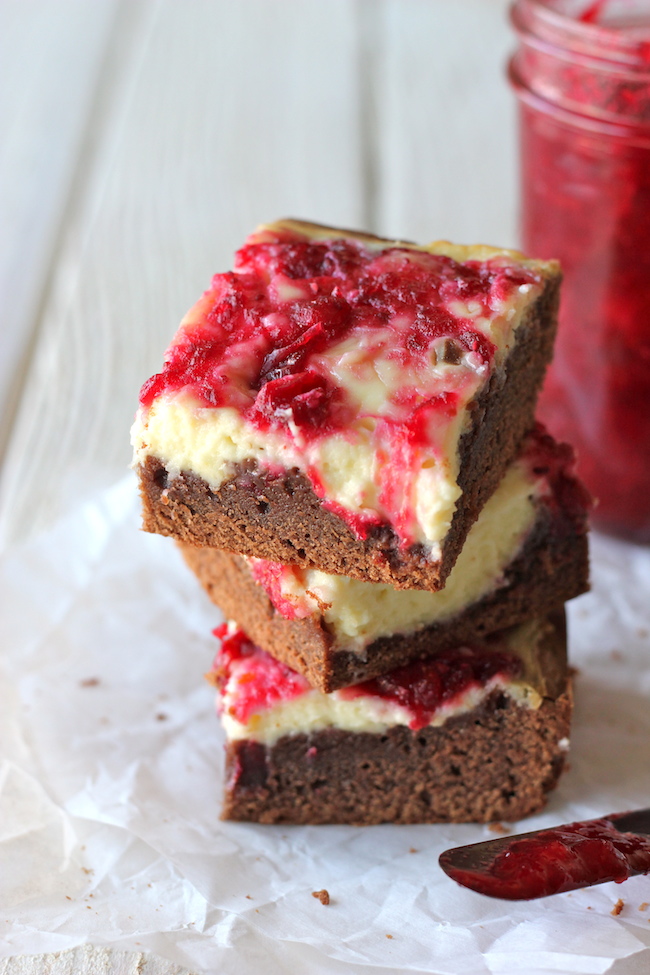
582,76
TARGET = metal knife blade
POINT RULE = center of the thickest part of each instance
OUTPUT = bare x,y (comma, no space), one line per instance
551,861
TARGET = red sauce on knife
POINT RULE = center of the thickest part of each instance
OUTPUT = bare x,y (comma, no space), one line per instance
556,860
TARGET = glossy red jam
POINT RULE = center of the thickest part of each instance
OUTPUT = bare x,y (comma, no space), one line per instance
584,91
260,681
271,575
254,681
551,861
424,686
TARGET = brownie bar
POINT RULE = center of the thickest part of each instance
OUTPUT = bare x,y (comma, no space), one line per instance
495,761
550,567
277,516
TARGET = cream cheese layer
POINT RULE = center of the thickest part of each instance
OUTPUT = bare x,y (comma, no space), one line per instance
261,699
358,371
314,711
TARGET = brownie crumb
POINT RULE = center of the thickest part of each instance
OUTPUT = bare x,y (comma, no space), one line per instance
89,682
389,936
618,907
161,717
498,828
413,850
644,906
322,896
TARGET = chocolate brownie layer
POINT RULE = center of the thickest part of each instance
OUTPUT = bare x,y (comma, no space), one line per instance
280,518
495,762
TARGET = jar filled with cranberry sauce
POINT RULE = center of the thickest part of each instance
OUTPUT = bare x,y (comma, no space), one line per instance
582,77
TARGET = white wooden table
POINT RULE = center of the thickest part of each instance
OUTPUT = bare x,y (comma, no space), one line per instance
141,140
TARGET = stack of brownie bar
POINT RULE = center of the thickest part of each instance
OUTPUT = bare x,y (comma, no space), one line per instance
342,440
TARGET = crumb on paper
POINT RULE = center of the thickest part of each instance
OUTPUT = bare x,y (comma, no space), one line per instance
644,906
87,870
413,850
389,936
89,682
67,897
248,897
618,907
616,655
498,828
161,716
322,895
589,907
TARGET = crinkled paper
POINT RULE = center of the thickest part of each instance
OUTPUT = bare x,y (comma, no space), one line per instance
111,777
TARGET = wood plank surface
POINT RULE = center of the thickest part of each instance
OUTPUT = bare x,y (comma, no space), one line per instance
445,152
205,127
51,61
205,120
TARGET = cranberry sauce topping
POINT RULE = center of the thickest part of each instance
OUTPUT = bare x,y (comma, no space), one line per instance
554,462
551,861
426,685
256,339
271,576
253,680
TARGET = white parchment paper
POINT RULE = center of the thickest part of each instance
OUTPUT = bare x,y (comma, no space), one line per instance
111,775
